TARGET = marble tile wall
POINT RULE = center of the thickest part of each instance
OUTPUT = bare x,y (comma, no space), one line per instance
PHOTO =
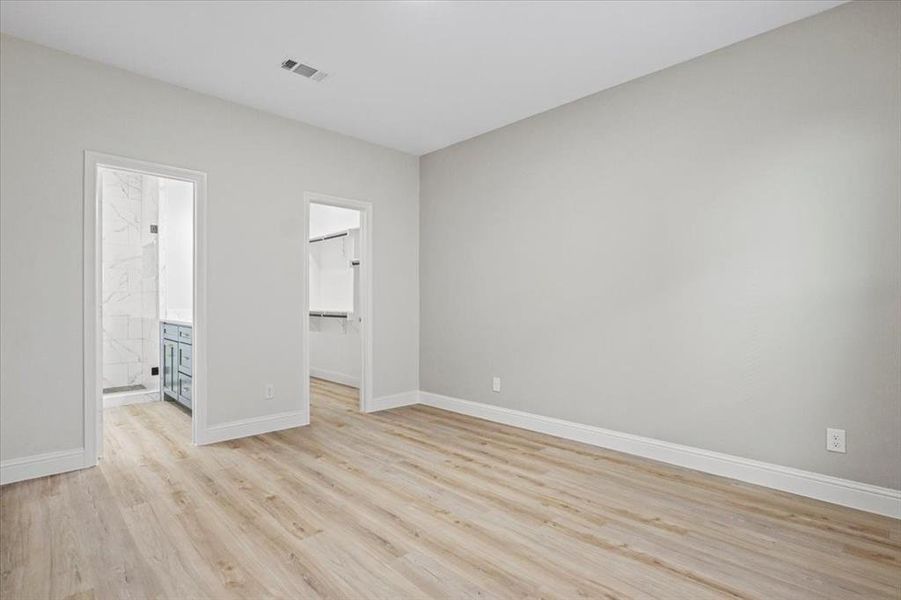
130,305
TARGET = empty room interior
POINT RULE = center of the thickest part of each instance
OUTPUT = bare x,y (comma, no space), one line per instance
450,299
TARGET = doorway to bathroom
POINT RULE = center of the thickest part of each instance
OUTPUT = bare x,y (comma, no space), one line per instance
143,298
337,313
146,283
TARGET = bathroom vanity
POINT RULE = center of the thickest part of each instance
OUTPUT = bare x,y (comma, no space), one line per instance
176,360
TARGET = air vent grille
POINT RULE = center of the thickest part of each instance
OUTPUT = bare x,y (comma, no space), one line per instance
304,70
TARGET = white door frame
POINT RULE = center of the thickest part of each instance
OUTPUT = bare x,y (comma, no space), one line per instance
365,311
93,282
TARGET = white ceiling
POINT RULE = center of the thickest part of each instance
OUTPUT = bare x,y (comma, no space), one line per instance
416,76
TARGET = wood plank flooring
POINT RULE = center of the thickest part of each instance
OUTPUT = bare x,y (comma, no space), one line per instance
417,503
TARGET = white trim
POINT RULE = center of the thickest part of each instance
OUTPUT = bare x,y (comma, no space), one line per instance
199,420
93,368
254,426
334,376
862,496
394,401
93,280
365,311
41,465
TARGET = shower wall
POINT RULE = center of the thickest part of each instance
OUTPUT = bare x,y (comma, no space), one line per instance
130,301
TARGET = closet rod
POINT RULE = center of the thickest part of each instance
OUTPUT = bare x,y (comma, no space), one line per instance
328,237
329,315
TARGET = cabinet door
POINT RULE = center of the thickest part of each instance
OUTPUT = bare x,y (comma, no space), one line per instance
170,367
184,359
184,390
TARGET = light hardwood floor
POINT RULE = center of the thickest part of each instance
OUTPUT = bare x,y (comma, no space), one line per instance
418,503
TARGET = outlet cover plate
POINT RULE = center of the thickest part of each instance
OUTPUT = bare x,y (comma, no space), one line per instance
835,440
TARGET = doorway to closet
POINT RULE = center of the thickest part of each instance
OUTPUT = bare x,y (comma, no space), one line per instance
337,339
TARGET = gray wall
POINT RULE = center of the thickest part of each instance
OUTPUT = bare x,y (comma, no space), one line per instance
53,107
708,255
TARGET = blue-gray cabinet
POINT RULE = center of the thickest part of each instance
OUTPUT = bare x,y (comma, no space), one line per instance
176,358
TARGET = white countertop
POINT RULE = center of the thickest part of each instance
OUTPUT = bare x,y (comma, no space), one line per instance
177,322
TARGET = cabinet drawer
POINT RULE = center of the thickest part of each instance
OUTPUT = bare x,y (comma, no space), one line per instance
184,359
184,390
184,335
170,332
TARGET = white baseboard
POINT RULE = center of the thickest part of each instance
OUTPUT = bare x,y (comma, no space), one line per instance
393,401
41,465
253,426
342,378
862,496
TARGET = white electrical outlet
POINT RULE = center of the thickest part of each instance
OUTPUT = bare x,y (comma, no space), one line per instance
496,384
835,440
270,391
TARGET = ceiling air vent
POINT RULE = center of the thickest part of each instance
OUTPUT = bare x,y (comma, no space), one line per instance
304,70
